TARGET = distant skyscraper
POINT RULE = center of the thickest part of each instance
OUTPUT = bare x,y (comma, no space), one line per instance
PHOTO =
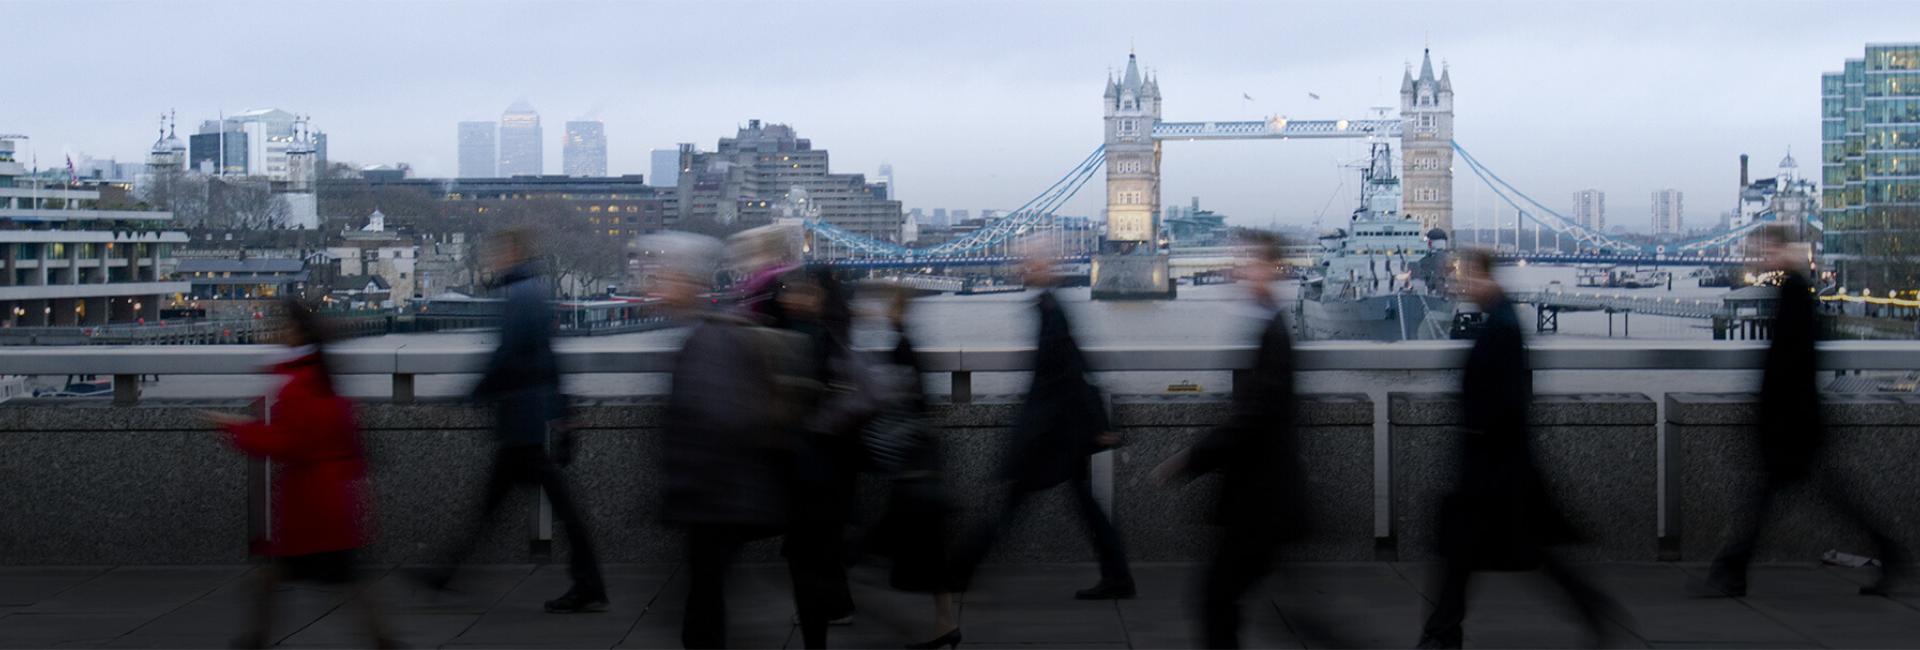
585,152
1668,210
666,168
520,147
1590,209
886,178
479,149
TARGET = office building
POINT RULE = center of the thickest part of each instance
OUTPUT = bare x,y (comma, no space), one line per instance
479,149
1590,210
755,172
75,257
1668,212
520,142
665,165
1870,175
585,151
885,177
253,143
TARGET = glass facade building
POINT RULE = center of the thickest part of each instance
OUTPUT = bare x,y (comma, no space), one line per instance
1870,163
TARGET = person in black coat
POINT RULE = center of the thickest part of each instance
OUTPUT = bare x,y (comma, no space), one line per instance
1500,516
1262,500
1062,422
1792,434
522,384
728,446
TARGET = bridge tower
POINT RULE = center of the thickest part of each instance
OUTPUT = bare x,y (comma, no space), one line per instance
1426,145
1130,264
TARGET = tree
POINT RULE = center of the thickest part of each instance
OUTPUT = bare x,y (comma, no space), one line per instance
581,255
245,204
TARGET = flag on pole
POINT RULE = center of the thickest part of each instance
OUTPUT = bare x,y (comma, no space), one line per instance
1247,96
72,178
1313,95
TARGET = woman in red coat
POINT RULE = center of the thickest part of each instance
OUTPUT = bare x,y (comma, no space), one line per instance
319,476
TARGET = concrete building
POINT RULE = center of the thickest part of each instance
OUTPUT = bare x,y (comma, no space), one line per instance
1669,212
665,165
752,173
585,151
1426,145
885,177
373,251
254,143
1869,133
1590,210
65,261
521,153
479,149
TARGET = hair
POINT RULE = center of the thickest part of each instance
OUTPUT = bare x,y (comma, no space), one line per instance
520,239
1479,260
1772,235
1267,246
836,304
694,257
314,331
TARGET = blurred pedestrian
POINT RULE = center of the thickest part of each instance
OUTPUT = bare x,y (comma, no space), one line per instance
1262,501
1061,424
828,453
1792,434
913,531
319,479
522,384
732,410
1500,517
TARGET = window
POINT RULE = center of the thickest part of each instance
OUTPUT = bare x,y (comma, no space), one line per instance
1426,120
1127,127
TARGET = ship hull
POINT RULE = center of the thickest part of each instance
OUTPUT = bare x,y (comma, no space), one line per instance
1395,317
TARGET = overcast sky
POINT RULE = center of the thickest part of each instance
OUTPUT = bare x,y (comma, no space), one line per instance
976,104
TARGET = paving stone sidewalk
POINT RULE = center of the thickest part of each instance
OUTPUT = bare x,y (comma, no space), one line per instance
1374,605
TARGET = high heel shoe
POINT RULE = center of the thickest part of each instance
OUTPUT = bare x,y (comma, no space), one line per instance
951,640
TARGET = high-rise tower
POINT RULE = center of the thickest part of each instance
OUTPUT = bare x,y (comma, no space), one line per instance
1426,145
1130,264
521,152
585,151
1132,106
479,150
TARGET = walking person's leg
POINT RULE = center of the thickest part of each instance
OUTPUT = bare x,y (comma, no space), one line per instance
1728,574
260,619
1116,578
589,591
1239,562
1449,608
710,549
506,472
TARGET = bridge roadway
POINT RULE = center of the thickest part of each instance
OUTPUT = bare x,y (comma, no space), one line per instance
1636,259
1623,302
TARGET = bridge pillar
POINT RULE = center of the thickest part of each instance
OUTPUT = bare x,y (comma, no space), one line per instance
1130,264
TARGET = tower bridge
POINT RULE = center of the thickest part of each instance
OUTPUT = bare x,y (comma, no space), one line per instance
1131,261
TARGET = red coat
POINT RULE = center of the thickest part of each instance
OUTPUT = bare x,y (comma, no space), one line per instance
319,471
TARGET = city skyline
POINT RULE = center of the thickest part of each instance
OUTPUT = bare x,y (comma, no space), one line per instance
1620,108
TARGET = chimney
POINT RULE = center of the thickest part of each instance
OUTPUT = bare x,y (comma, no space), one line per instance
1743,171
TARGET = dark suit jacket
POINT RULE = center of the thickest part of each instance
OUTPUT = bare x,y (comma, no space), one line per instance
1791,428
1502,513
522,377
1063,414
724,456
1257,451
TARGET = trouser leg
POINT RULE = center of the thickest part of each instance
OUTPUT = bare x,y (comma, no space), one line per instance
583,566
710,549
1106,540
508,471
1450,603
1242,559
813,563
1729,570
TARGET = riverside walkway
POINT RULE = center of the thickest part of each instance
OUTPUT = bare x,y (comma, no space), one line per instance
1367,604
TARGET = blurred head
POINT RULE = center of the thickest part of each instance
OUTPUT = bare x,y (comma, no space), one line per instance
1474,269
897,304
508,248
1261,268
301,327
1773,244
1036,261
680,266
764,247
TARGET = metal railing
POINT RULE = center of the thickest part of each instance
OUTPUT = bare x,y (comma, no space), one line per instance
404,361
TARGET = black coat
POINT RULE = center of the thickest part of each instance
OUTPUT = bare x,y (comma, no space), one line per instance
1501,513
1063,414
522,377
728,452
1791,429
1257,451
